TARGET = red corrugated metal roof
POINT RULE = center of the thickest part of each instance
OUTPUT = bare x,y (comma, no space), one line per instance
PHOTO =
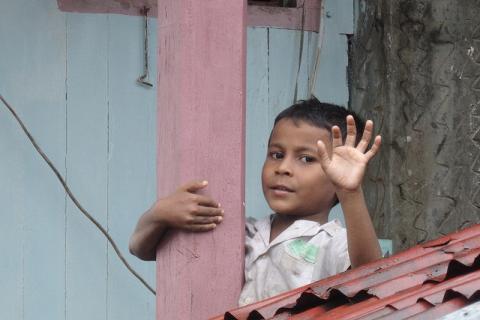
424,282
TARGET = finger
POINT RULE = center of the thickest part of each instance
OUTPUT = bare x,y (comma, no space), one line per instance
206,201
194,185
374,149
206,220
323,154
208,211
367,135
351,132
336,137
202,227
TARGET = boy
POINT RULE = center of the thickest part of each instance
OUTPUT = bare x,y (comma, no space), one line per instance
315,159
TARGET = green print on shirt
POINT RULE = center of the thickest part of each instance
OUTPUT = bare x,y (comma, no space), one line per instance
303,250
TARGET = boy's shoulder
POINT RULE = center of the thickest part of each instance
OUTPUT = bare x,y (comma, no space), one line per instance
299,228
254,225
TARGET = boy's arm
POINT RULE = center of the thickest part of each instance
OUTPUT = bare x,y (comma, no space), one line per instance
362,241
183,209
346,168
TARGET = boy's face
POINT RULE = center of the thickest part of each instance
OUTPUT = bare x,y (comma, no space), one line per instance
293,180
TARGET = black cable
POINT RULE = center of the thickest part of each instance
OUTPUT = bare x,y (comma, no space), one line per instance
75,201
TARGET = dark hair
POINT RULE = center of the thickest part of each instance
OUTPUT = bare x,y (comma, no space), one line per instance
322,115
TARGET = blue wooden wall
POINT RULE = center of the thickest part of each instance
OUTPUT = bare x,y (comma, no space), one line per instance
71,78
273,59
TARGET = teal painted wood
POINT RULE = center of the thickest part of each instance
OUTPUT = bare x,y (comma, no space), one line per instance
32,77
55,264
86,163
272,67
257,120
13,149
331,84
132,161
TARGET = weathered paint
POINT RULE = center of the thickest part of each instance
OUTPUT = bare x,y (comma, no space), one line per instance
201,104
330,80
126,7
131,175
86,164
272,67
33,203
132,162
277,17
72,79
306,16
470,312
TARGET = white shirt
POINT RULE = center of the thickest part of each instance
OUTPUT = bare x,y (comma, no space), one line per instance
305,252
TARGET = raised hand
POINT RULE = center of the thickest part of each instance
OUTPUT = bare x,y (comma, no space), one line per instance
345,165
186,209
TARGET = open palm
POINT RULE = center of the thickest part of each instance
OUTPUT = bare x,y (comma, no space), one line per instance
346,165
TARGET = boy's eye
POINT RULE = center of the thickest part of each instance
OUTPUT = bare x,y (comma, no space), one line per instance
276,155
307,159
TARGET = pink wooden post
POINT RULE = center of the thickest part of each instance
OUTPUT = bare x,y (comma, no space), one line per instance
201,121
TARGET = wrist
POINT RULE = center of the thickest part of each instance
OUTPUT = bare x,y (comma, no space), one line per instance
345,194
158,214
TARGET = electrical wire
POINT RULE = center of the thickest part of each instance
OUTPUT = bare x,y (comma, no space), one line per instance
75,201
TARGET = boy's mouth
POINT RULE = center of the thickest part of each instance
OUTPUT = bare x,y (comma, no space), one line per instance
281,188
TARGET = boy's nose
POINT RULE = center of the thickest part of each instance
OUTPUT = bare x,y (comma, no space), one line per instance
284,168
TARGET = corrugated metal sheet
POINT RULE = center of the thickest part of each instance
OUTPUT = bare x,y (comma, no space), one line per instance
425,282
469,312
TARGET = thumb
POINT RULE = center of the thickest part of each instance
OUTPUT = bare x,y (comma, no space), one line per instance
323,154
194,186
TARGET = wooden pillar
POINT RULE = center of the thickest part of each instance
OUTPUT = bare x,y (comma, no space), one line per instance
201,121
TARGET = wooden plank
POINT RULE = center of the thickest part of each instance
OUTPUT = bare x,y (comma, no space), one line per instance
86,165
257,121
201,103
283,59
32,78
14,149
132,162
272,67
331,84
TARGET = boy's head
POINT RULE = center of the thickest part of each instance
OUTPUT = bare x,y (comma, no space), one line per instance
292,178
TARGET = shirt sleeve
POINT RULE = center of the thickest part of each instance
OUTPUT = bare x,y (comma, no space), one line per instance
333,256
341,253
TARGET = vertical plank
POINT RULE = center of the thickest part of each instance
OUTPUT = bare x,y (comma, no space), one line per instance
14,150
201,103
257,121
32,78
331,84
272,67
86,165
131,161
283,59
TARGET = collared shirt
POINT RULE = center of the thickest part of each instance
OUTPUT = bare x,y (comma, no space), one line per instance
305,252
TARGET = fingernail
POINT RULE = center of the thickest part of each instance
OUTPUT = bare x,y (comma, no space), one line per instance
220,219
204,182
222,212
219,205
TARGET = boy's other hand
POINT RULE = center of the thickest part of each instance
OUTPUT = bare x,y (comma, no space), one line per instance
187,210
346,164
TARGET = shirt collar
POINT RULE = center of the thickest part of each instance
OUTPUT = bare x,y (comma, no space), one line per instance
300,228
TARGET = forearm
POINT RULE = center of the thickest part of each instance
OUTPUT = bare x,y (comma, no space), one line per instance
363,244
147,235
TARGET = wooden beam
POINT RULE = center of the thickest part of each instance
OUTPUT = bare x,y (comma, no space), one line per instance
257,16
201,121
